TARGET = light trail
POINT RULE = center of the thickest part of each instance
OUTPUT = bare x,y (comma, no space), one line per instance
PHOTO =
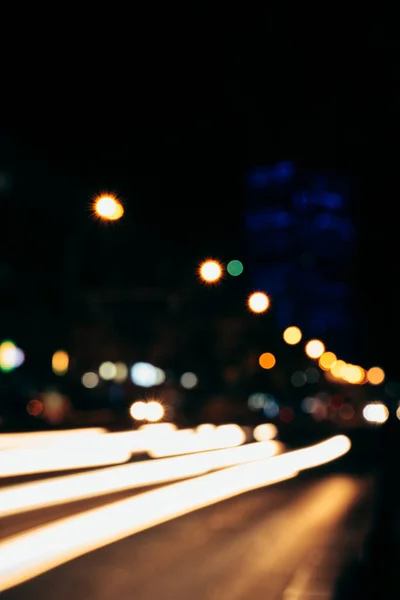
29,554
46,438
31,496
224,436
117,448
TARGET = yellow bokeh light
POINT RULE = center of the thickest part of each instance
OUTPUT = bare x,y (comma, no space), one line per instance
337,368
292,335
154,411
60,362
326,360
138,411
258,302
376,375
210,271
107,207
267,360
7,355
353,374
315,348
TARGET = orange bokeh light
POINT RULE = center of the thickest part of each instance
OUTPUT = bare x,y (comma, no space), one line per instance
267,360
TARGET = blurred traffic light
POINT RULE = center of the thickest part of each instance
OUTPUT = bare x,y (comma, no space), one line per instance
235,268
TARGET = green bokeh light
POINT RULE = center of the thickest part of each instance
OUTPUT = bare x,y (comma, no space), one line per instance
235,268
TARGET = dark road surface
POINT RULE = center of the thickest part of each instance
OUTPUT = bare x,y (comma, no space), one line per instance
289,541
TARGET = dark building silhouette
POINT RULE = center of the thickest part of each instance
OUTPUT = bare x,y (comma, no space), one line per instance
300,244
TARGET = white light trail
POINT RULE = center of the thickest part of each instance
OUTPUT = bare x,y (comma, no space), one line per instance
30,496
46,438
29,554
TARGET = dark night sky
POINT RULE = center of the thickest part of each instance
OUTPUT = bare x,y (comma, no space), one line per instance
170,109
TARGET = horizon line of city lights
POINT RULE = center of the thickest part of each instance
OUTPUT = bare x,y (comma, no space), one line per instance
108,207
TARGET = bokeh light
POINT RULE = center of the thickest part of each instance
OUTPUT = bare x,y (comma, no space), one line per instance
11,356
326,360
376,412
271,407
90,380
353,374
34,408
312,375
189,380
154,411
346,412
235,268
267,360
315,348
144,374
107,371
337,369
292,335
298,379
210,271
258,302
256,401
376,375
138,410
160,376
121,373
108,208
60,362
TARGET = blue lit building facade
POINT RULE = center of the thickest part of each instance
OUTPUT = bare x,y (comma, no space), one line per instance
300,245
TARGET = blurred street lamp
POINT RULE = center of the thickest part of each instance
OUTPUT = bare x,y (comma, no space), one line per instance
210,271
258,302
154,411
326,360
376,375
292,335
315,348
108,208
267,360
60,362
376,412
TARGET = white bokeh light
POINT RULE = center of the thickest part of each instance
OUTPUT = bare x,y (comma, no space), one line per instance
90,380
138,410
189,380
376,413
144,374
107,370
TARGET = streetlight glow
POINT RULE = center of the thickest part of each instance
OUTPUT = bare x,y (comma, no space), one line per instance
292,335
60,362
210,271
315,348
108,208
258,302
